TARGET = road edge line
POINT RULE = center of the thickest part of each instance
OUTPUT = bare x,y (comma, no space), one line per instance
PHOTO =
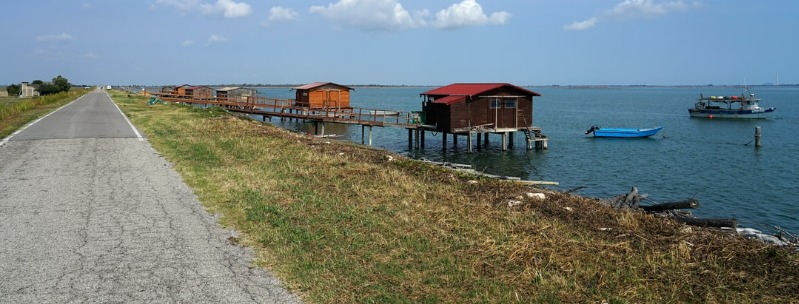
8,138
138,135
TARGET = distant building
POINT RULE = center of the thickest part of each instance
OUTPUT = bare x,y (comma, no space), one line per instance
493,106
323,95
235,94
187,92
27,90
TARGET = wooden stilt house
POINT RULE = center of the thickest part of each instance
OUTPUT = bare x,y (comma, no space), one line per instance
460,107
323,95
235,94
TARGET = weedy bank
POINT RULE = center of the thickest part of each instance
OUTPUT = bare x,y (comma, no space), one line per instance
344,223
17,112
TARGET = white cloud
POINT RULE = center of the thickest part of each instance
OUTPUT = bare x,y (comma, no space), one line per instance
90,55
87,5
216,39
391,15
633,9
467,13
228,8
279,13
581,25
371,14
187,43
57,37
181,5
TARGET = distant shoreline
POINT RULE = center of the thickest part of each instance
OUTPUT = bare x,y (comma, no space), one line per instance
556,86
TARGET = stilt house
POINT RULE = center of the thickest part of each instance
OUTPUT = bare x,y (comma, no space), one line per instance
195,92
235,94
460,107
323,95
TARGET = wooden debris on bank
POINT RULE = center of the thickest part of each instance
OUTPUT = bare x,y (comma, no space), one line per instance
675,210
468,169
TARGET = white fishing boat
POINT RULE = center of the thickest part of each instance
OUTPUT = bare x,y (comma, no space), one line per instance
744,106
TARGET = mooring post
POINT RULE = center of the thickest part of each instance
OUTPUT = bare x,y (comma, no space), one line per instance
410,139
422,143
510,139
479,139
504,141
485,140
323,129
757,137
370,135
444,140
363,140
455,139
469,142
418,138
529,144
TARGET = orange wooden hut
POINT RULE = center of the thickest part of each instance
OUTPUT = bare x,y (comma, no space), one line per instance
323,95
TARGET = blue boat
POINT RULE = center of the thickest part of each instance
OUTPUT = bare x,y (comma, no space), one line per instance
622,132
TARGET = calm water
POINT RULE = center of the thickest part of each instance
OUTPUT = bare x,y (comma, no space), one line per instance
714,161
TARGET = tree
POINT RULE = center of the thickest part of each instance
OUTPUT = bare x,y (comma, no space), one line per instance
37,82
13,90
48,88
62,84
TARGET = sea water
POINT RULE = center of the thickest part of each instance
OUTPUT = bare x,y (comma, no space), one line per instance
712,160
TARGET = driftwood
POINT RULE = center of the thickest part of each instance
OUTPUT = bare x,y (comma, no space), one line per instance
685,204
707,222
632,200
468,169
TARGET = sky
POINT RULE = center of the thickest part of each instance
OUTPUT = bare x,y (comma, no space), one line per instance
401,42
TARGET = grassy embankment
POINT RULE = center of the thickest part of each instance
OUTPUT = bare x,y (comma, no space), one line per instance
342,223
17,112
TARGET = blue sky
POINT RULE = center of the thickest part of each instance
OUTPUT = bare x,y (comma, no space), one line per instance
412,42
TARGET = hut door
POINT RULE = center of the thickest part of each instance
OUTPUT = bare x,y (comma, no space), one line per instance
332,99
494,112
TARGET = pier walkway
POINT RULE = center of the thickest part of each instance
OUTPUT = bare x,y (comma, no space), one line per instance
365,117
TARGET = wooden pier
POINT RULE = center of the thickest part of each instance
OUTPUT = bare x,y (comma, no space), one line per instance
283,109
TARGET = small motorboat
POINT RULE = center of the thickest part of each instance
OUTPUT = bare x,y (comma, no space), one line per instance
622,132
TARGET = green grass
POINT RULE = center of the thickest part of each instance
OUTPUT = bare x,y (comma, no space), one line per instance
340,223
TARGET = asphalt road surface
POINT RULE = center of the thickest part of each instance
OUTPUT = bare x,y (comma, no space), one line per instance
90,213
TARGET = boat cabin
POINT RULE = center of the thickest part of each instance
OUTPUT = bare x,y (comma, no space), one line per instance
323,95
461,107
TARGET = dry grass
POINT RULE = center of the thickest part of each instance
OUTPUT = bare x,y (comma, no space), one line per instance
341,223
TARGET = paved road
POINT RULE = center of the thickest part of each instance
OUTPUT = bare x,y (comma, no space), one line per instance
90,213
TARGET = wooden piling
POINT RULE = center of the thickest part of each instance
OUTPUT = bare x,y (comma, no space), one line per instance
469,142
444,141
757,137
410,139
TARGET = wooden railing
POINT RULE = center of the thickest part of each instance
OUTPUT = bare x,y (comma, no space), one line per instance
290,108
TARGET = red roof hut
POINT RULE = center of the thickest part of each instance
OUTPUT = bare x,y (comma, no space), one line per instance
323,95
459,107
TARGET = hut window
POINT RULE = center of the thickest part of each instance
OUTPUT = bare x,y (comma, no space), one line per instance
510,103
494,103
